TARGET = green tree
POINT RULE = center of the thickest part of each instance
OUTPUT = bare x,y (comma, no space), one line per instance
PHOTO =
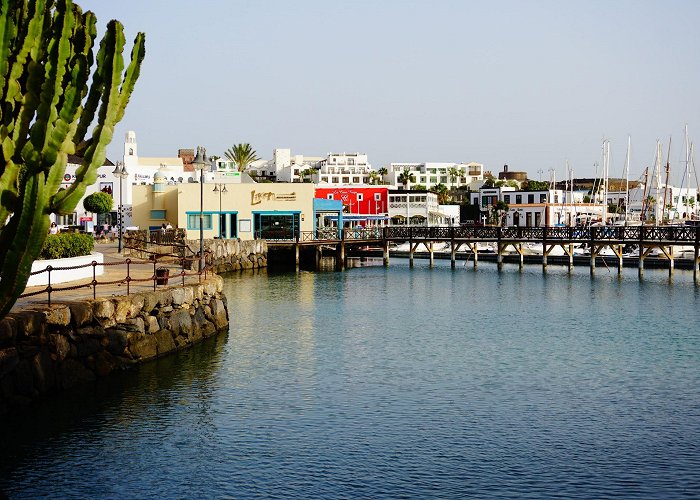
406,178
98,203
442,192
306,174
373,177
242,155
383,171
499,211
454,174
418,187
56,98
536,185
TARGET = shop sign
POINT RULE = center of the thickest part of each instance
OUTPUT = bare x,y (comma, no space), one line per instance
258,198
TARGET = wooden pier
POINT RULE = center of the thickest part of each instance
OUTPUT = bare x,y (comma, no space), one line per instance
668,240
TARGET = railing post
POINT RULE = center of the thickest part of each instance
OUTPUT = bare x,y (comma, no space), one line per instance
94,280
48,287
128,277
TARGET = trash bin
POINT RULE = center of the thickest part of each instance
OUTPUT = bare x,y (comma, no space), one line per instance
162,274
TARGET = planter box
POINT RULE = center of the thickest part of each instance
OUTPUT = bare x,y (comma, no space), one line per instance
63,276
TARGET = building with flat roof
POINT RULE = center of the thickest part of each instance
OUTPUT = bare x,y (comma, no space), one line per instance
230,210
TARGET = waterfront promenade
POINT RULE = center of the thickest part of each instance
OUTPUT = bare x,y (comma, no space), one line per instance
110,283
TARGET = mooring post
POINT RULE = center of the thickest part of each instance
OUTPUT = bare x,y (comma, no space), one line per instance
544,249
453,251
696,254
499,253
619,259
522,260
571,257
430,251
296,256
592,247
640,264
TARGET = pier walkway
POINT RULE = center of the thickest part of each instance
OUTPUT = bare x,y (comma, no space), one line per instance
665,241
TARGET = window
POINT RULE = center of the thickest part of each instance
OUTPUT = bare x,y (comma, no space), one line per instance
330,196
443,179
506,198
193,221
158,214
346,180
518,199
360,197
355,180
334,180
131,151
543,198
351,161
377,196
531,198
556,198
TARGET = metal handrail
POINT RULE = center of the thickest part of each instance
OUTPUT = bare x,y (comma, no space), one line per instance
128,278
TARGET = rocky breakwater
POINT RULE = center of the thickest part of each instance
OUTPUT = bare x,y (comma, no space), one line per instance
46,350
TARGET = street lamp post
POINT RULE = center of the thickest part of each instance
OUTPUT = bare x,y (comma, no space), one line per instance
120,171
221,189
200,164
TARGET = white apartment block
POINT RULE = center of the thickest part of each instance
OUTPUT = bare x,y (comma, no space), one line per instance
431,174
283,167
343,168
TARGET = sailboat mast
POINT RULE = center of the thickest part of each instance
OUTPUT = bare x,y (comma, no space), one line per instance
668,172
627,178
644,195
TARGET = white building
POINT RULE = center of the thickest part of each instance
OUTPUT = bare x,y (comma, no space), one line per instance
680,203
537,208
343,169
415,208
431,174
284,167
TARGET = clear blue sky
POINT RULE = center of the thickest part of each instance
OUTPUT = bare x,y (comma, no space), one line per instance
524,83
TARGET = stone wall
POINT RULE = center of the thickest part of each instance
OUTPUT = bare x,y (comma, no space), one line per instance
234,254
46,350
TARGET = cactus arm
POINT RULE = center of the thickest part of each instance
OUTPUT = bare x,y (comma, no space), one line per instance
113,102
96,88
21,247
37,151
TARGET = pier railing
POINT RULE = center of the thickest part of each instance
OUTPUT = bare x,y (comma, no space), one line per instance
553,234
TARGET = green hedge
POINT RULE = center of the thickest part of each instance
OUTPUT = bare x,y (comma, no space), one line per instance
64,245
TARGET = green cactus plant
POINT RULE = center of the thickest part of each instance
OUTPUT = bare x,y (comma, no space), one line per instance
57,99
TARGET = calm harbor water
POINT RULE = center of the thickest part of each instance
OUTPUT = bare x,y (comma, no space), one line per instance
398,382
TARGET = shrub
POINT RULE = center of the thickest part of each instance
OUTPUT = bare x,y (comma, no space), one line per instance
64,245
98,203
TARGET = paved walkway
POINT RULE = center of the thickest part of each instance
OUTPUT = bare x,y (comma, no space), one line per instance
110,283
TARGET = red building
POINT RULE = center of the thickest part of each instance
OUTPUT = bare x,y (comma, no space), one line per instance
362,205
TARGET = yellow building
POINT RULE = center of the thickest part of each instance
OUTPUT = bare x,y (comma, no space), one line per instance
229,210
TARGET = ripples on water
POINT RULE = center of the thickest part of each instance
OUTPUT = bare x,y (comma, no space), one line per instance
396,382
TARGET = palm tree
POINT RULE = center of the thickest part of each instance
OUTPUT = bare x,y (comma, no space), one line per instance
442,192
306,174
454,173
382,172
242,155
406,177
373,177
